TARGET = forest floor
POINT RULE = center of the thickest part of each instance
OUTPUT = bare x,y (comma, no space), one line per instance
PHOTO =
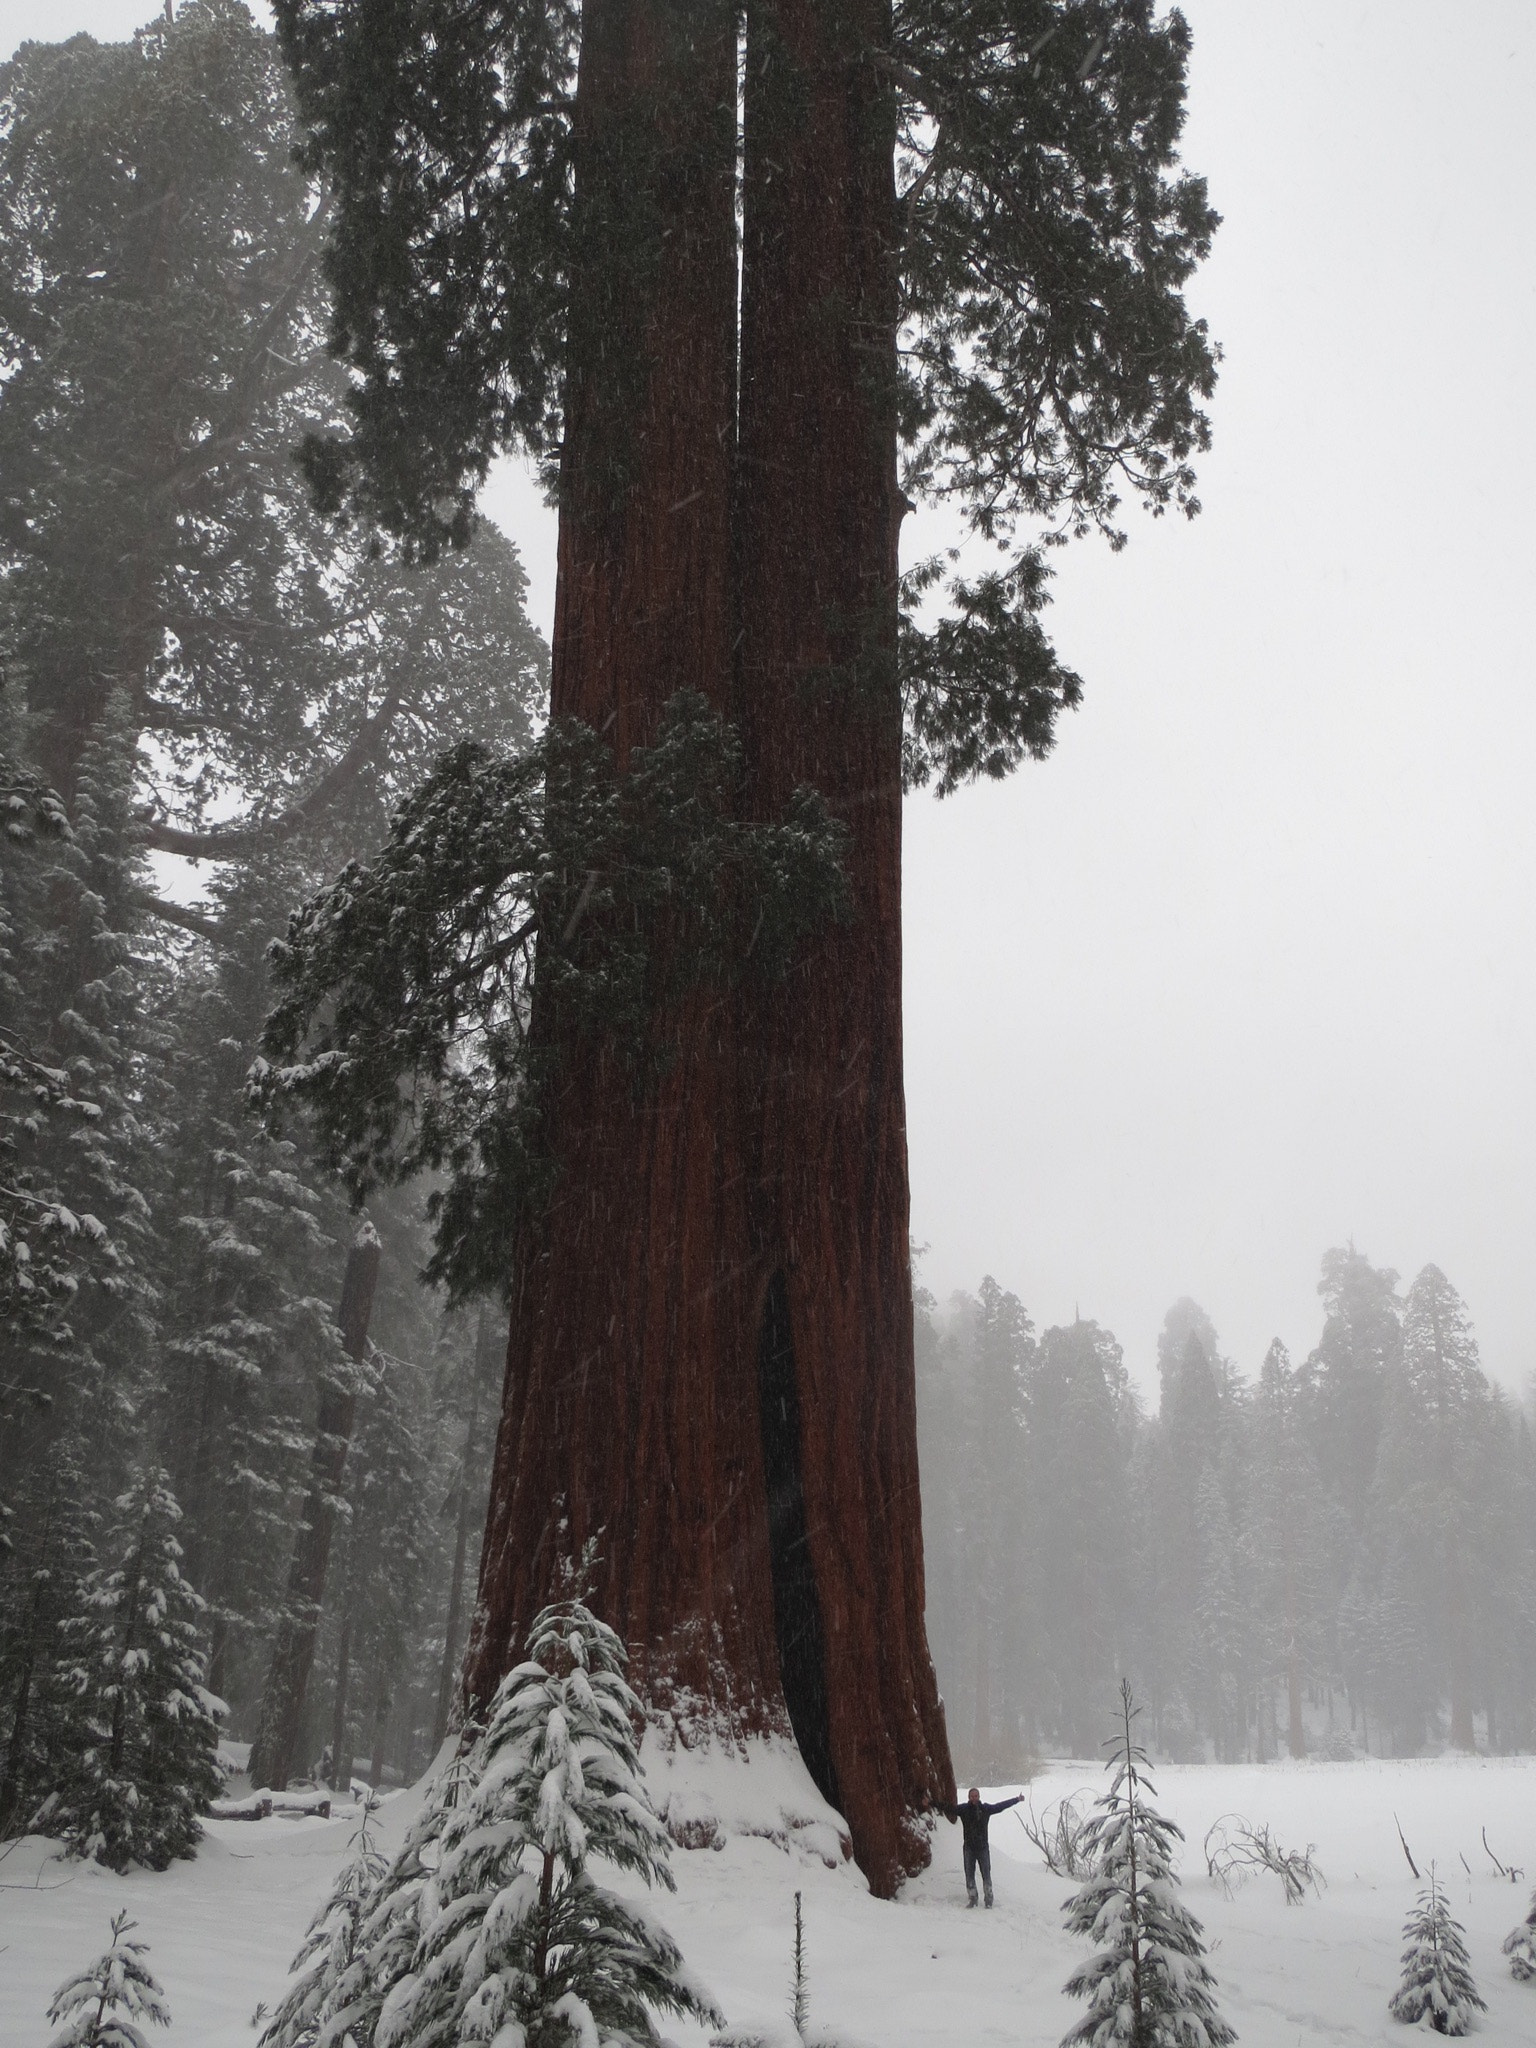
922,1970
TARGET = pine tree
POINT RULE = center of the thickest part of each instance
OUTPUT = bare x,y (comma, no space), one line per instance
1223,1620
332,1940
42,1574
1437,1982
490,1917
515,1928
1079,1412
1520,1947
386,1560
1148,1986
345,1984
98,2007
147,1730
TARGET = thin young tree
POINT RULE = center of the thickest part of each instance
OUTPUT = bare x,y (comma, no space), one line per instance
100,2006
1437,1986
332,1941
344,1985
1148,1984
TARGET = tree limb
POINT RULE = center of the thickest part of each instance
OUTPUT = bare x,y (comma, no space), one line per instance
177,914
235,842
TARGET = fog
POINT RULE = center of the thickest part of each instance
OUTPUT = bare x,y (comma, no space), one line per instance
1245,970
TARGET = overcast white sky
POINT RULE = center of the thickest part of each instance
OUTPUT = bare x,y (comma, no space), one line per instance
1248,967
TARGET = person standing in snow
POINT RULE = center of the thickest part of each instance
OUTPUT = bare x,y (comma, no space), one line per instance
973,1817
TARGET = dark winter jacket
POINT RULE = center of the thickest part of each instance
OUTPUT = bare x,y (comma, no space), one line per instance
973,1818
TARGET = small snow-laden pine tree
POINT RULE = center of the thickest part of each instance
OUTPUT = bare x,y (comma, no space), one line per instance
331,1945
99,2006
1437,1985
146,1764
519,1943
343,1985
1148,1985
1520,1947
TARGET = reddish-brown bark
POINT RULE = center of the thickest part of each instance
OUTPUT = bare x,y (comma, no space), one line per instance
628,1414
710,1365
820,517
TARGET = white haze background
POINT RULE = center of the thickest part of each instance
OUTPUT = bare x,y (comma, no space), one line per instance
1247,968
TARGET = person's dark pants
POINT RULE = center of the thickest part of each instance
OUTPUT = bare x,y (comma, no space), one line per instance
978,1859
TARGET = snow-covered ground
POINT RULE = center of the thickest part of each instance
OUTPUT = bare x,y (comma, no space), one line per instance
921,1970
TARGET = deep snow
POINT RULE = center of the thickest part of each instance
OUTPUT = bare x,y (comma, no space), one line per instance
921,1970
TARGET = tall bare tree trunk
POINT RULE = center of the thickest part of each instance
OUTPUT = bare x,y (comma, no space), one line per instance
293,1654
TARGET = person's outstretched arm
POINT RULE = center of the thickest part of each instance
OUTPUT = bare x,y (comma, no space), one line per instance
941,1806
1003,1805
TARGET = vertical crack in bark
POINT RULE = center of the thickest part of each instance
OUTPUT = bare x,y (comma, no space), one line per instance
796,1601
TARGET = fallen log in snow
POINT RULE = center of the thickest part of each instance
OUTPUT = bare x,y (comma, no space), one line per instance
257,1807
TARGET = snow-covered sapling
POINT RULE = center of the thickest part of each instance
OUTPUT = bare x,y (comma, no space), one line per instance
799,1990
331,1944
489,1924
1147,1985
516,1935
1437,1985
342,1987
1520,1947
98,2007
147,1759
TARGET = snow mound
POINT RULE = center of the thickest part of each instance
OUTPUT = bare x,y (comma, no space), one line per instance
709,1787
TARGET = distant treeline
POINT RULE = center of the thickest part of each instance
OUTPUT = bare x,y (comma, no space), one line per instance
1338,1556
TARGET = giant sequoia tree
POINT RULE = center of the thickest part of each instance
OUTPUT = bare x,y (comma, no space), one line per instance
963,242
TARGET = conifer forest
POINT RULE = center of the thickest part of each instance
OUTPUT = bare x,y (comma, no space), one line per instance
453,1150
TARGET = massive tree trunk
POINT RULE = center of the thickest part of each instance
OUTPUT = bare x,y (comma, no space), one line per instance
710,1367
629,1410
822,1057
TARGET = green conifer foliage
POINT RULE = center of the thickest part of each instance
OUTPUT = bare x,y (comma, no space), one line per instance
405,1009
144,1729
40,1573
1148,1985
44,1244
332,1940
99,2008
1437,1985
518,1929
342,1984
491,1922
